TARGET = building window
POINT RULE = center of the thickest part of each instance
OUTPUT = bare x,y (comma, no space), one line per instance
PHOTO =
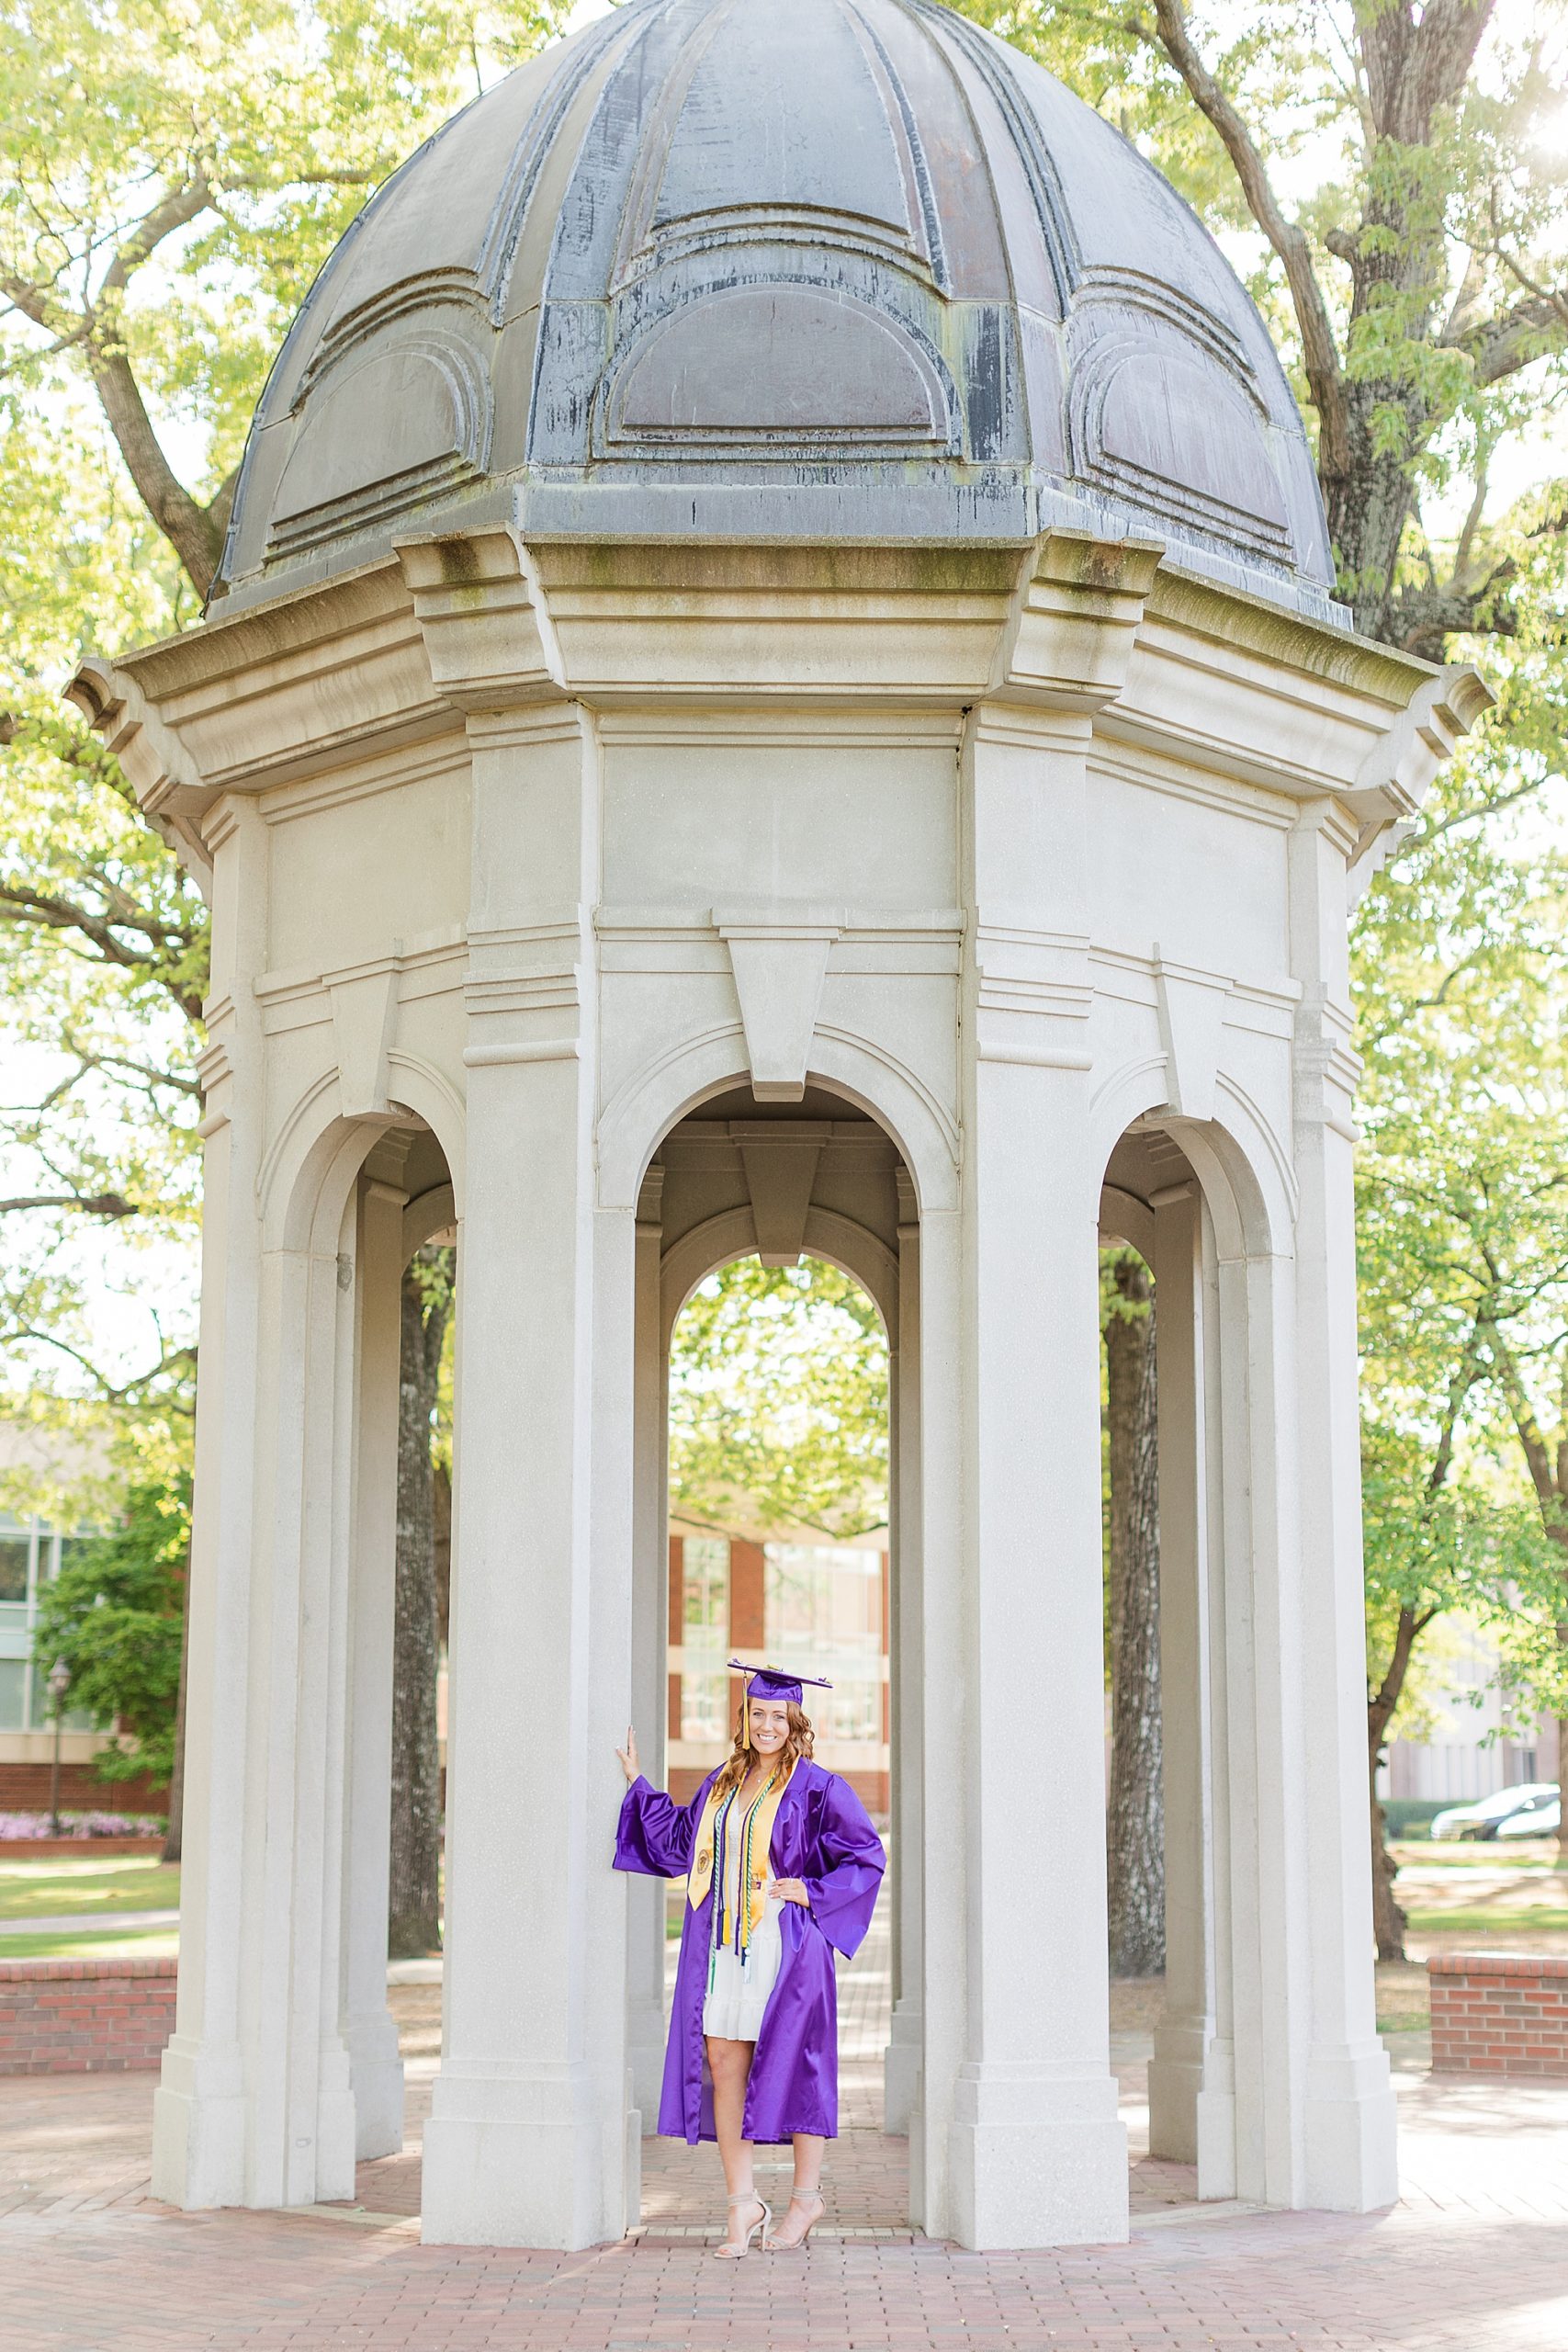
824,1614
705,1638
31,1554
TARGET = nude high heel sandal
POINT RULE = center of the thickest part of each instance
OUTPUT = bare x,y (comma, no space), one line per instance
764,2223
793,2245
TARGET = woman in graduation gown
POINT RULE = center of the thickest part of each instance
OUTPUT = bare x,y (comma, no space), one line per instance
781,1868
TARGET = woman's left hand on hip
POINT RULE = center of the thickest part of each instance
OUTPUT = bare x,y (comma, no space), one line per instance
787,1890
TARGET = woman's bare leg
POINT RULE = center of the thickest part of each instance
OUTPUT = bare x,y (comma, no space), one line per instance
805,2198
730,2063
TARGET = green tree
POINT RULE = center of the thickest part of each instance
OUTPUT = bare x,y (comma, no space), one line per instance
1462,1217
115,1615
778,1400
173,172
1414,272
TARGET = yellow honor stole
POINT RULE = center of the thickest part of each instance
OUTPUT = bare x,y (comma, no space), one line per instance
699,1878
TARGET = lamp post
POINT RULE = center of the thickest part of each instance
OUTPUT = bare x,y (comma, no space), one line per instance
59,1683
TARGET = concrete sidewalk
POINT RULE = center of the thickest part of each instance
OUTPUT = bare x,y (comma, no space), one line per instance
1474,2259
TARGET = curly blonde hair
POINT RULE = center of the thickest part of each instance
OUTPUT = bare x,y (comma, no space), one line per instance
743,1756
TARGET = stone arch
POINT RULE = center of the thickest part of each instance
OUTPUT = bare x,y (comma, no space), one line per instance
637,1119
1245,1169
302,1166
1220,1239
839,1241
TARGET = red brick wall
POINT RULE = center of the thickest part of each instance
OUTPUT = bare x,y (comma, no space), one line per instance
1499,2013
23,1788
84,2017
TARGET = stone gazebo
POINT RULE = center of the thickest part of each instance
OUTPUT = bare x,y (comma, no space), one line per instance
776,686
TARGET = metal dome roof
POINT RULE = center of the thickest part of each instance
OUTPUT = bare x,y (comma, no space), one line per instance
831,269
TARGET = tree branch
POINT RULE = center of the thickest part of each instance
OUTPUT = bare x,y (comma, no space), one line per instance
51,913
111,1206
1319,352
187,526
124,1392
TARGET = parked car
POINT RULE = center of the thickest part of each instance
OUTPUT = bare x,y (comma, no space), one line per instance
1482,1819
1539,1818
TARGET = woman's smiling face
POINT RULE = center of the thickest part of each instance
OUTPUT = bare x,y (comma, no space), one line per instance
770,1725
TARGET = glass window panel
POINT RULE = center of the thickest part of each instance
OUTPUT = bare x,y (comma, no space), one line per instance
706,1592
14,1548
824,1614
704,1706
13,1687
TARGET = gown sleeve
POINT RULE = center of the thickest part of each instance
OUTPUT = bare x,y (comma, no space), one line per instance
655,1834
842,1888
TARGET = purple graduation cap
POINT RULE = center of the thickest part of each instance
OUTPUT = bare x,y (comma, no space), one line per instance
772,1682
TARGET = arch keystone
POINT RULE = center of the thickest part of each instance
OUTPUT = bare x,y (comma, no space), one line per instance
779,957
1192,1016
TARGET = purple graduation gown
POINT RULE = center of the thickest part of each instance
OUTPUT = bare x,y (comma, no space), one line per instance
822,1835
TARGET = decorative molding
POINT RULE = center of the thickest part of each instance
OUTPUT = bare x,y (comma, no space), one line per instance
1191,1006
1075,619
531,1049
780,1173
1032,1057
171,793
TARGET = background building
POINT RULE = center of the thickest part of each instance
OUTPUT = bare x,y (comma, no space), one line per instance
800,1601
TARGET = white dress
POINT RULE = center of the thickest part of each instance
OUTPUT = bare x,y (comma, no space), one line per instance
738,1990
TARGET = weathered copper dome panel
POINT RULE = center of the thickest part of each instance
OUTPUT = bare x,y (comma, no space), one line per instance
848,268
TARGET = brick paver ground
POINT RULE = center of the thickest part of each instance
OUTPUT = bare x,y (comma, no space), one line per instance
1474,2259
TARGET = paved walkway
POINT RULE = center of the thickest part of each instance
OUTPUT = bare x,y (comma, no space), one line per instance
1474,2259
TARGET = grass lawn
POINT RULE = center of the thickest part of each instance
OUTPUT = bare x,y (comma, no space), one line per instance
105,1883
131,1943
1480,1854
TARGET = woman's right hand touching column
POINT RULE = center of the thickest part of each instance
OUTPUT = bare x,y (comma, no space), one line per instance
627,1755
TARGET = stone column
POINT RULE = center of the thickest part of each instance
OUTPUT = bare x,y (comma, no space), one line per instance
201,2109
370,2028
942,1698
1349,2153
526,2144
1038,2153
901,2063
650,1618
1186,2030
303,2125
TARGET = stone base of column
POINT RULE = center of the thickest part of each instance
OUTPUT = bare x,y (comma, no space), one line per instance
522,2161
901,2069
1352,2153
200,2119
336,2131
1176,2080
647,2083
376,2071
1035,2160
633,2162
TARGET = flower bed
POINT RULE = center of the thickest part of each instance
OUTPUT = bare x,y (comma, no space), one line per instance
80,1829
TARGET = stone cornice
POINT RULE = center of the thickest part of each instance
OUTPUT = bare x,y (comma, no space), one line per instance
1066,631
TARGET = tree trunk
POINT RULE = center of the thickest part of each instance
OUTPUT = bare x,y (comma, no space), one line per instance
1135,1825
1389,1921
173,1835
413,1921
